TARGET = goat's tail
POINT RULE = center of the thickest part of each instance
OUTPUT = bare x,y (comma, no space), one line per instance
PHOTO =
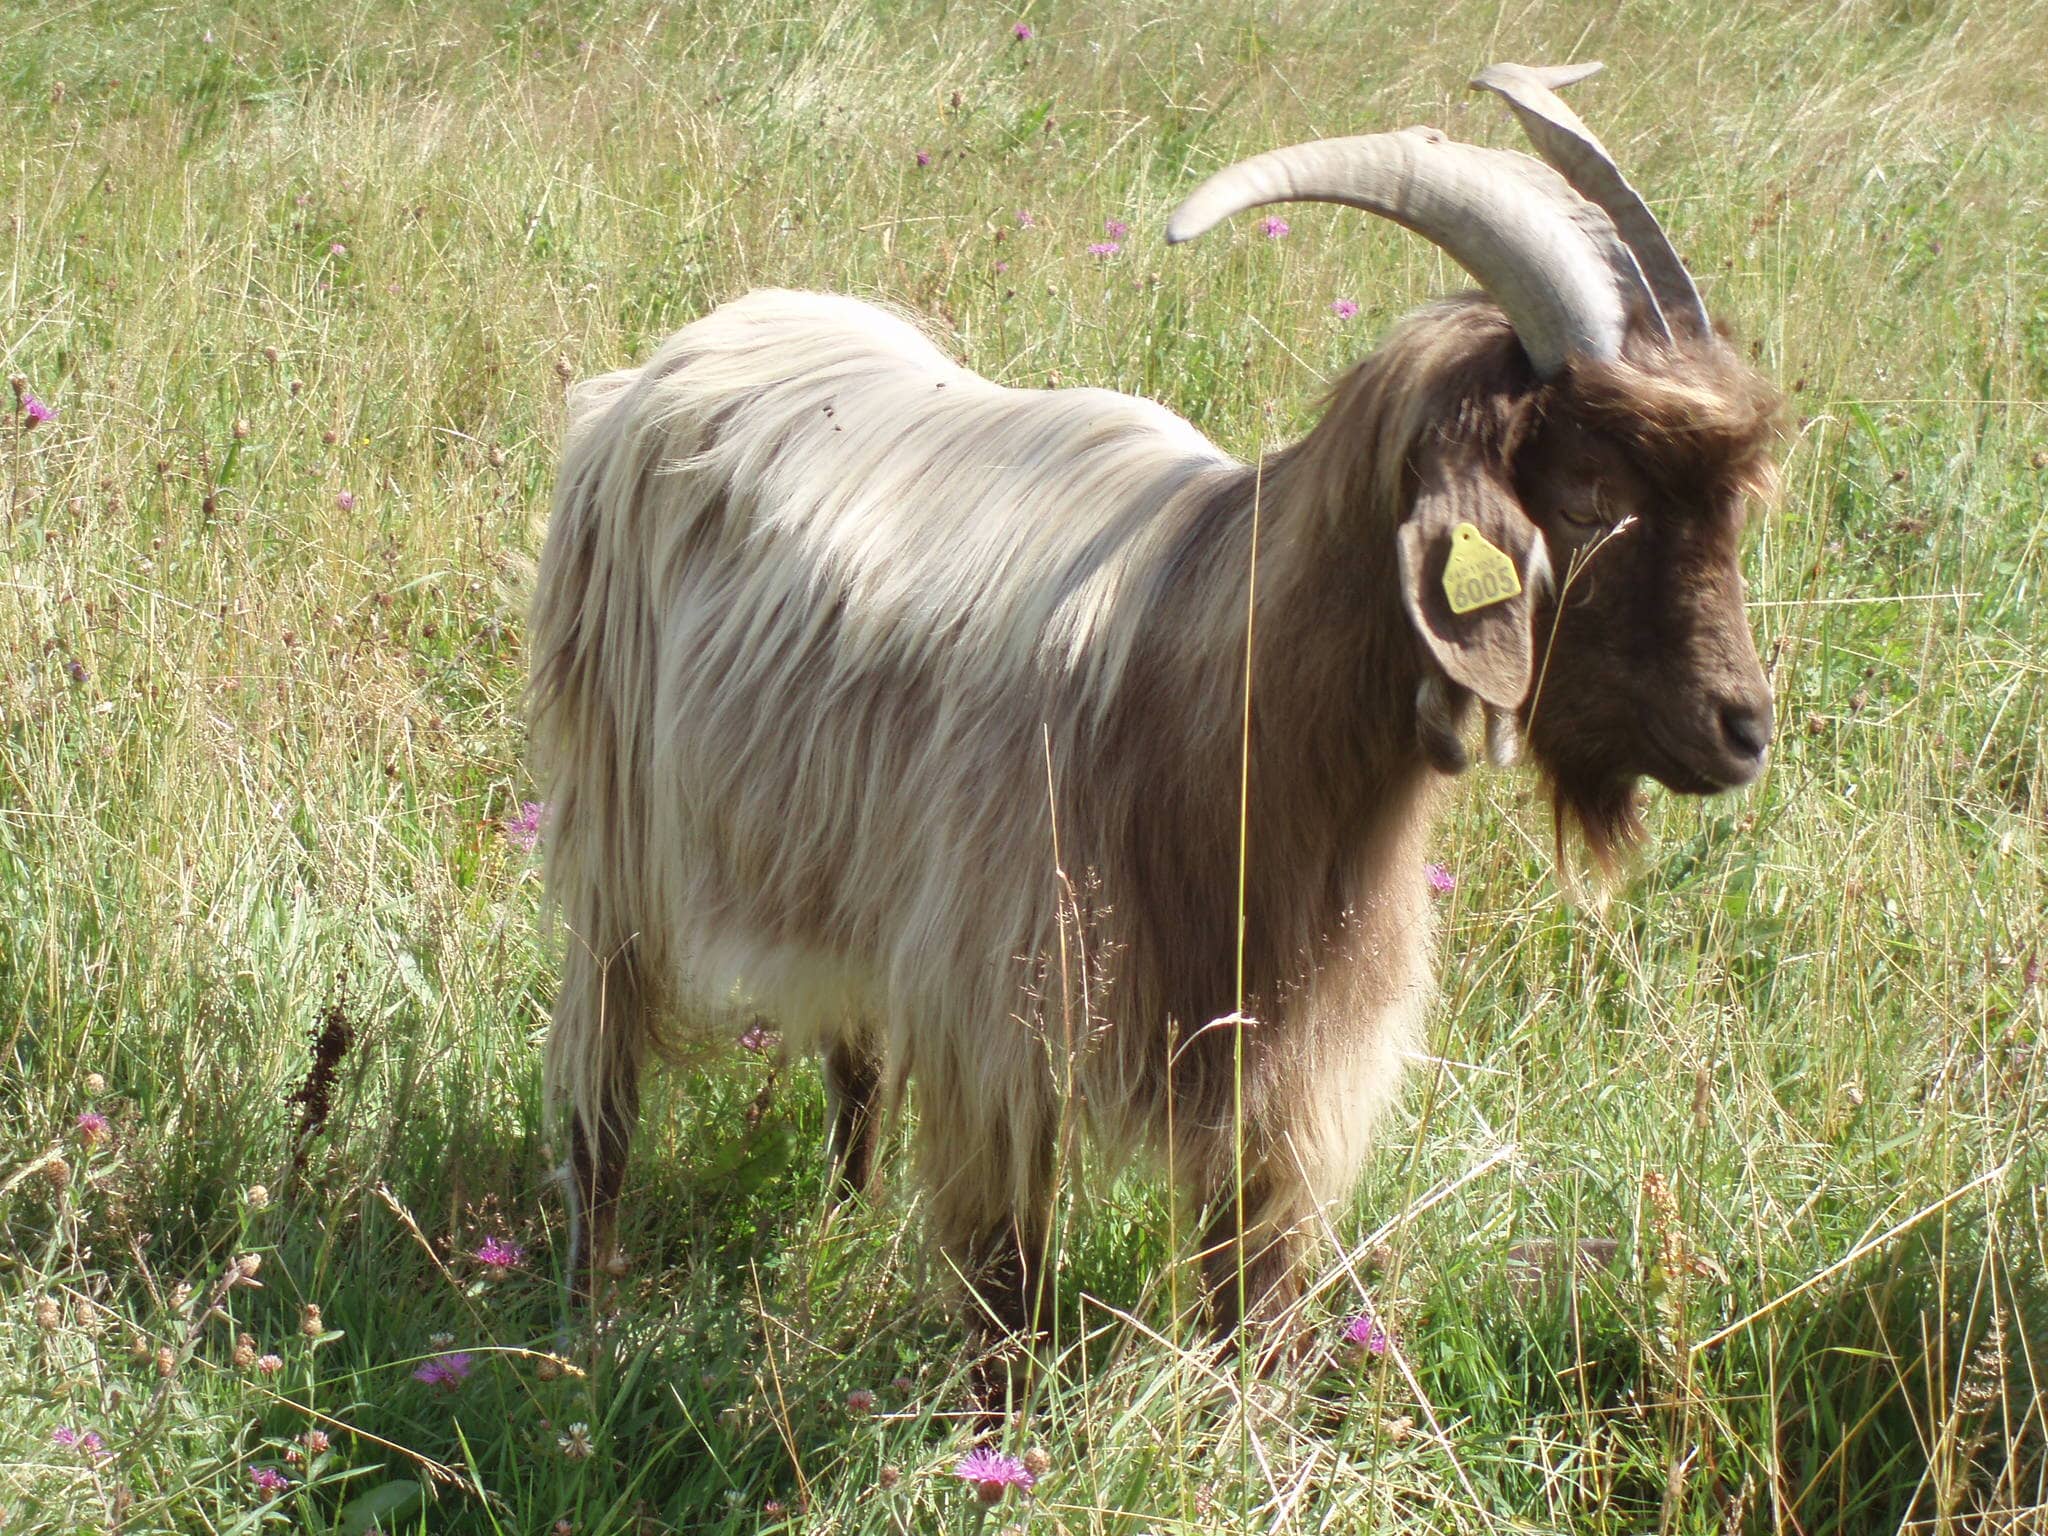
591,706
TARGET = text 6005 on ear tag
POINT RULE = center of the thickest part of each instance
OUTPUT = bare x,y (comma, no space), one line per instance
1477,575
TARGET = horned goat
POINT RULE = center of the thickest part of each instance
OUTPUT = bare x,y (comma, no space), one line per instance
865,689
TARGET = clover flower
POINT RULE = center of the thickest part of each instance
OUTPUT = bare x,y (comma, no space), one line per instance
269,1479
523,831
500,1255
1365,1334
991,1474
449,1370
92,1127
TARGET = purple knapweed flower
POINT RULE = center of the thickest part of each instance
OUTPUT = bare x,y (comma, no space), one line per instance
269,1479
1343,309
1024,219
493,1253
757,1037
444,1370
1022,32
991,1474
1441,880
523,831
1365,1334
1104,249
36,412
92,1127
924,157
345,501
1116,229
84,1441
1272,226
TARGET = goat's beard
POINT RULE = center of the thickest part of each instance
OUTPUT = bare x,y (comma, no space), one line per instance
1605,810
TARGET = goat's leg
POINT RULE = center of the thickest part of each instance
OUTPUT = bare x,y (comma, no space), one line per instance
853,1081
992,1210
598,1166
1252,1256
601,1032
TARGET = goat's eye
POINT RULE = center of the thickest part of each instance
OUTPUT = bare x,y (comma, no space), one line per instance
1586,514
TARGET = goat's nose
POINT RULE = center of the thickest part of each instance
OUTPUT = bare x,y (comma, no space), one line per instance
1747,727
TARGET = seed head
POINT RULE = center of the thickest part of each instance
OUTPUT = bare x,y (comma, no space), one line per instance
49,1314
1037,1462
496,457
309,1321
890,1475
166,1362
249,1265
57,1172
245,1352
256,1197
95,1084
270,354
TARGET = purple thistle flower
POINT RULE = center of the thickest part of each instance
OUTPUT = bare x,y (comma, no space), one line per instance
991,1474
1366,1335
65,1436
92,1127
1343,309
1022,32
1441,880
924,157
36,411
498,1255
1273,227
444,1370
523,831
757,1038
269,1479
1116,229
1104,248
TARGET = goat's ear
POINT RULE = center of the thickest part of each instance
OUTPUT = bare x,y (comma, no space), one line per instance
1488,649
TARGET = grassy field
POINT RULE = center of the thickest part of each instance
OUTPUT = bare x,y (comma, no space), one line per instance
302,290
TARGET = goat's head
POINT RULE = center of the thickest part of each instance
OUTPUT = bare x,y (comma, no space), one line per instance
1570,469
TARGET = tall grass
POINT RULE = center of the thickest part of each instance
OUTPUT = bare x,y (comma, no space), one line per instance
303,288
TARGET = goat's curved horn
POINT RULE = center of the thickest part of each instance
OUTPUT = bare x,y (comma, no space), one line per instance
1550,260
1567,143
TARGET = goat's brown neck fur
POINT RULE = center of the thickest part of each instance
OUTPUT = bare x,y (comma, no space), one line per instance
1339,791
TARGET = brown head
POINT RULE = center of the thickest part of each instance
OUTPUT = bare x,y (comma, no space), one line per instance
1570,464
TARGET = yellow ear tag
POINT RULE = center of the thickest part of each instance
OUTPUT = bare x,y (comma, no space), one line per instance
1477,575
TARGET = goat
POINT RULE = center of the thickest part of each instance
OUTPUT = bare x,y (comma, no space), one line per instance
843,655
